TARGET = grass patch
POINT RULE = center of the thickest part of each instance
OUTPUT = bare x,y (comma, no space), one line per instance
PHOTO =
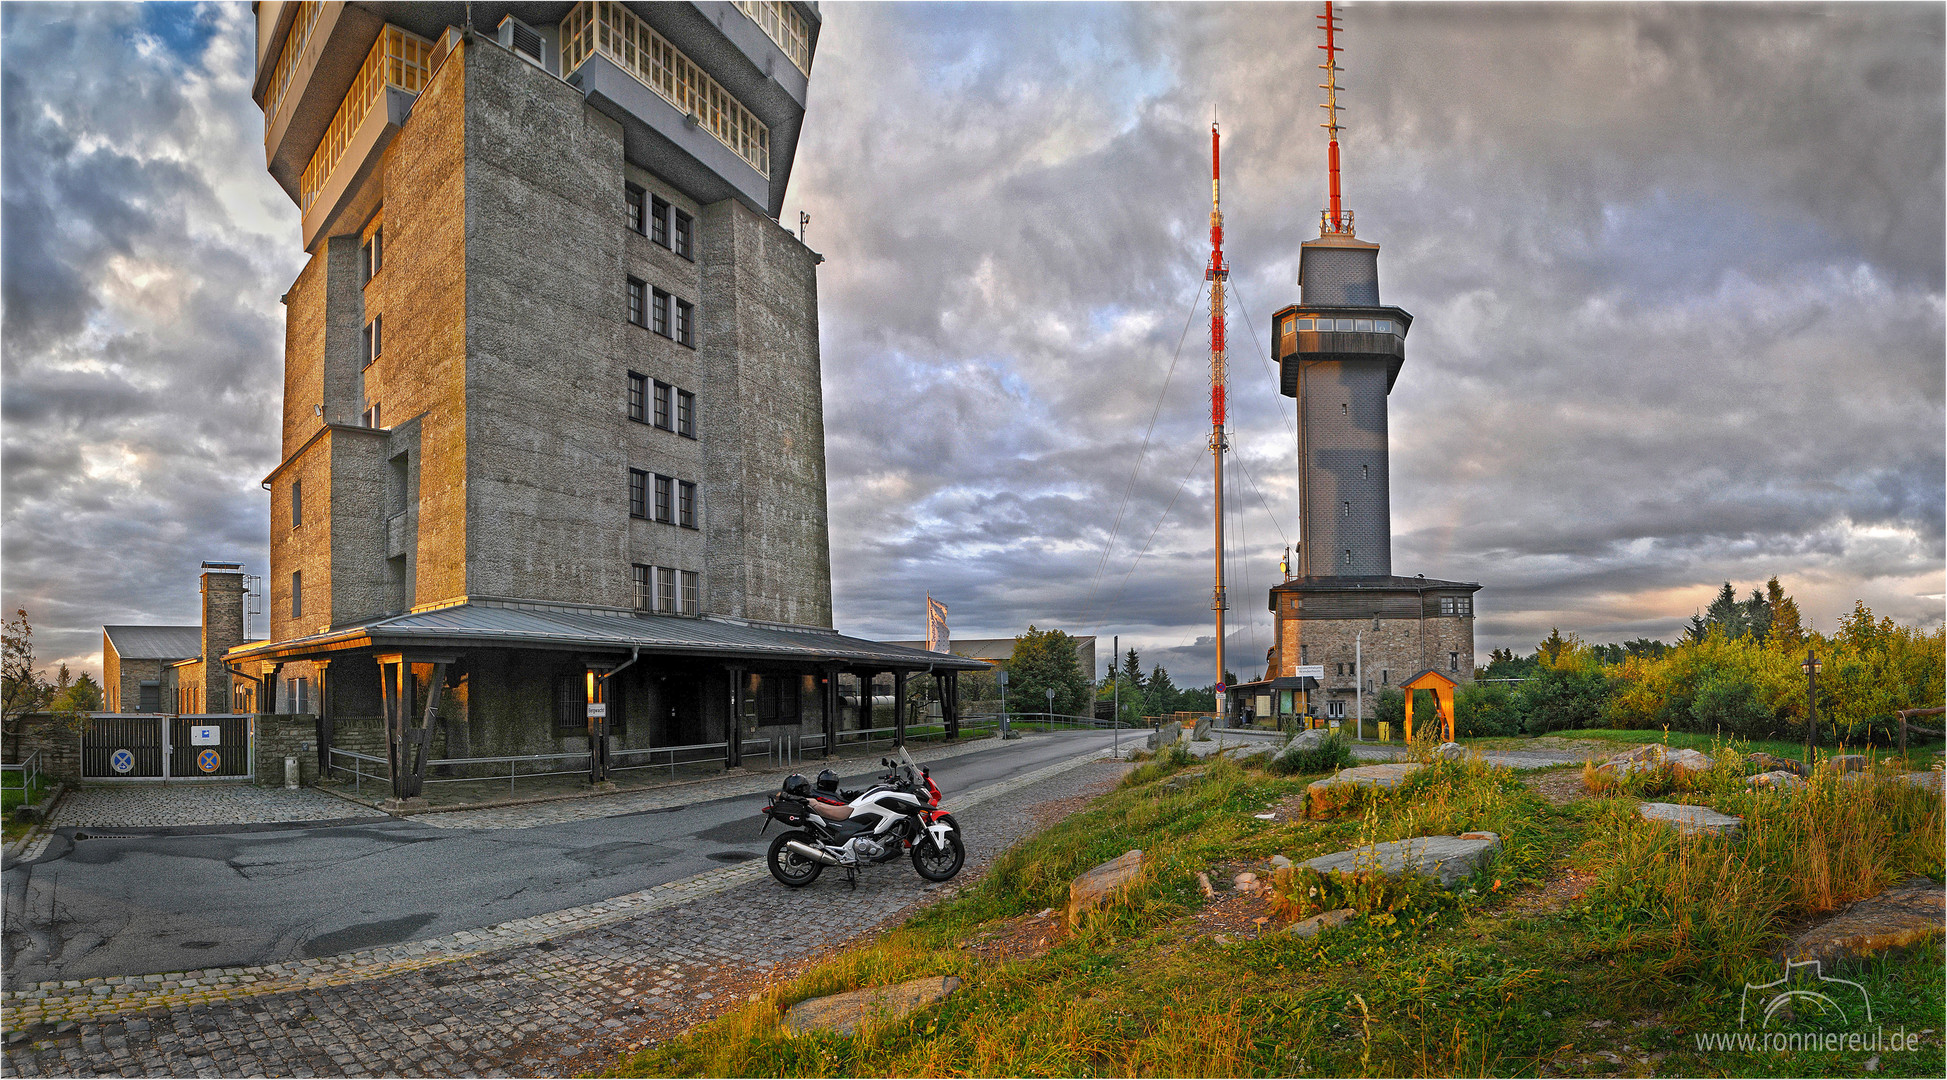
1480,979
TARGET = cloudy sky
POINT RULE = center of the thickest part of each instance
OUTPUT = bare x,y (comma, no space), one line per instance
1676,273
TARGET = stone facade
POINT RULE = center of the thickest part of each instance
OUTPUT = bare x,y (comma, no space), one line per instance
501,465
1399,627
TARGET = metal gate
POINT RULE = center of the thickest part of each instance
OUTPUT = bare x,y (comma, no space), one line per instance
162,746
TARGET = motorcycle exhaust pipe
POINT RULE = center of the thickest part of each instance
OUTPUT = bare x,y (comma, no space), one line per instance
809,852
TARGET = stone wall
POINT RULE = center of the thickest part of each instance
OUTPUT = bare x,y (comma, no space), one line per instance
280,735
60,749
1394,653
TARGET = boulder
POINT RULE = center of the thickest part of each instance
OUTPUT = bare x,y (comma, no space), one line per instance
1279,862
1773,763
1166,735
1318,924
1446,859
1202,730
1929,780
1323,794
1452,751
1899,918
1691,820
1089,890
1846,763
1775,780
844,1014
1652,757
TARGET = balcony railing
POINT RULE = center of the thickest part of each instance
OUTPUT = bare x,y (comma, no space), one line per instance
398,58
600,26
782,23
287,60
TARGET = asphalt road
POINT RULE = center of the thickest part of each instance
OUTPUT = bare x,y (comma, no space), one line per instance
132,904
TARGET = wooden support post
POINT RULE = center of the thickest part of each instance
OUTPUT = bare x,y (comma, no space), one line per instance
422,739
865,700
1409,717
596,691
733,732
950,703
831,711
899,708
327,727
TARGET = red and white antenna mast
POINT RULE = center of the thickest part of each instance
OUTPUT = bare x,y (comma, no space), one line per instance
1217,273
1333,219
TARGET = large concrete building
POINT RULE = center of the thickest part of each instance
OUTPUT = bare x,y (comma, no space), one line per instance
553,442
1339,353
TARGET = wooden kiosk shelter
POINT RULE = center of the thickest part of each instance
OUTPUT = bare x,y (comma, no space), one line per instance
1442,688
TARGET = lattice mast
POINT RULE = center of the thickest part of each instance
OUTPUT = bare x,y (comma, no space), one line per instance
1217,274
1334,219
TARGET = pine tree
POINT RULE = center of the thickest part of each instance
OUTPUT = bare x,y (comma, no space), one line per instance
1787,630
1726,613
1757,616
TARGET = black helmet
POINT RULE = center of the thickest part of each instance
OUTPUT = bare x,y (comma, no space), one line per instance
797,785
828,782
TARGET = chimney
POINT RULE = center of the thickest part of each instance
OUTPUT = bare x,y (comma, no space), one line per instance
222,629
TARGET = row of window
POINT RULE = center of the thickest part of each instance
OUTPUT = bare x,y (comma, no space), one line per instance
658,404
662,313
372,255
674,501
667,589
374,339
1293,323
653,217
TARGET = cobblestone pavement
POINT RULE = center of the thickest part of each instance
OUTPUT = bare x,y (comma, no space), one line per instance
541,996
154,805
528,815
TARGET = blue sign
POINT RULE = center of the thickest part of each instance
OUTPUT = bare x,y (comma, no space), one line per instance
209,760
121,761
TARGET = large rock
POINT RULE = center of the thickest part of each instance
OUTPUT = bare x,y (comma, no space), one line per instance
1302,743
1202,730
1899,918
1691,820
1089,890
1446,859
1452,751
1846,763
1653,757
1773,763
1320,923
1930,780
845,1013
1775,780
1321,796
1166,735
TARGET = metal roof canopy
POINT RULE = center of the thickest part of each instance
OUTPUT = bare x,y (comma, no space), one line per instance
155,642
533,626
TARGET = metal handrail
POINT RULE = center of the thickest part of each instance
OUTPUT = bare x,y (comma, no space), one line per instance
29,770
358,776
671,751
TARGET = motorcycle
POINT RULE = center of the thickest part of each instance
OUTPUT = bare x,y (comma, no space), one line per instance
852,829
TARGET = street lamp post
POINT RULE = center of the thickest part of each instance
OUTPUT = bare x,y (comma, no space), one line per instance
1115,697
1051,708
1811,667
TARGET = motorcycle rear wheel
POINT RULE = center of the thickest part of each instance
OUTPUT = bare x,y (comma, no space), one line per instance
789,867
933,863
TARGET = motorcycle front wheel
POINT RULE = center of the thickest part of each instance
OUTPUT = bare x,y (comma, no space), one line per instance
935,863
789,867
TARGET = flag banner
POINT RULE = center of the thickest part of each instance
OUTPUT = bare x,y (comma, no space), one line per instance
937,638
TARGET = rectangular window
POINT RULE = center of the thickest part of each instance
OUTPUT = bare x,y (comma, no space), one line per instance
686,414
662,499
372,417
374,253
1456,605
638,493
297,503
1385,677
659,221
665,589
645,588
638,218
1290,324
1335,710
374,339
1453,661
1384,326
686,504
637,315
663,390
571,704
1304,324
1365,326
638,397
297,594
692,592
681,236
659,313
685,324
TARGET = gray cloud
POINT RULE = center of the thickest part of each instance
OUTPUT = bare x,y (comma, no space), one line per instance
1677,275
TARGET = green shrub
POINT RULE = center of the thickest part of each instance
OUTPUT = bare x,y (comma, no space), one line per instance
1332,752
1484,709
1391,709
1563,698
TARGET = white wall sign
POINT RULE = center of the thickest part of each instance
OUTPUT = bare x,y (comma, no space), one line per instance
597,710
205,735
1316,671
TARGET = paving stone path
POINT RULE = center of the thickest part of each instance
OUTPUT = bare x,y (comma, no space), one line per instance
1512,759
556,995
161,805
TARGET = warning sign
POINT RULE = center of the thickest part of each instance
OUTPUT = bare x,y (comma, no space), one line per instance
209,760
